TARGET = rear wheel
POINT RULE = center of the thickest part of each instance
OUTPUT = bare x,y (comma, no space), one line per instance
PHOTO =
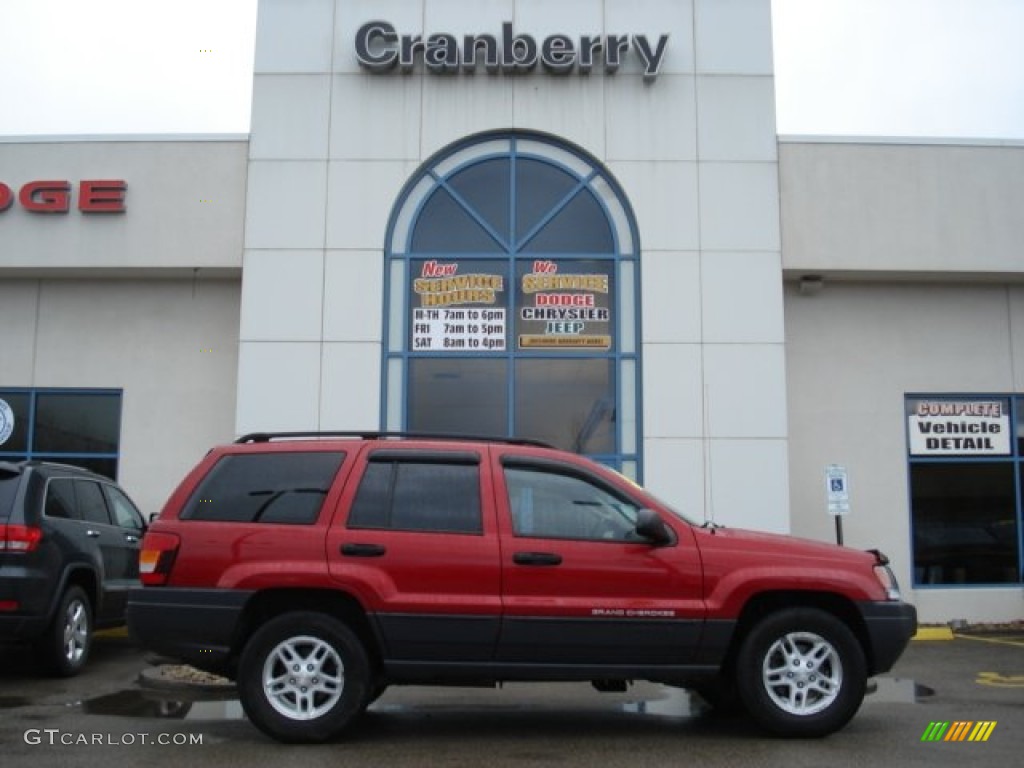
303,676
65,646
801,672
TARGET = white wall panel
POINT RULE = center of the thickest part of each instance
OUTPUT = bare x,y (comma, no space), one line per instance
746,390
294,36
734,36
375,118
749,486
741,297
739,206
651,121
674,471
451,111
664,198
359,201
290,116
350,390
736,118
570,107
673,390
285,204
353,296
282,295
671,292
278,386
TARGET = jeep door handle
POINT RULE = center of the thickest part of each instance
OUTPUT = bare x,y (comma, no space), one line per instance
131,539
363,550
91,533
536,558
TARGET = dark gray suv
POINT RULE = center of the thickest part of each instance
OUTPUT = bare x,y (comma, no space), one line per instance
69,543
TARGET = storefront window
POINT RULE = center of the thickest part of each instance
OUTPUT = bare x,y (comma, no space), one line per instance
513,271
965,489
80,427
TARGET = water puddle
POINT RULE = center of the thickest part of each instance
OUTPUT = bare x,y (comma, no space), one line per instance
677,702
12,702
151,704
897,690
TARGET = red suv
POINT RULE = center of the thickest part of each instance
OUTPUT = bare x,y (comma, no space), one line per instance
316,569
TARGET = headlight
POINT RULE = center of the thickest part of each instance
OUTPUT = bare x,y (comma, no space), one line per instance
888,581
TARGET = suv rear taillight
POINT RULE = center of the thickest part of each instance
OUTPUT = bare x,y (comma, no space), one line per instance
156,557
19,538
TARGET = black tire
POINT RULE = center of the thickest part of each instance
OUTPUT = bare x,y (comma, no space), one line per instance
801,672
722,696
64,647
322,677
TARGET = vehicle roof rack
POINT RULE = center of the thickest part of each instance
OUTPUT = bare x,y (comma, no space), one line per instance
266,437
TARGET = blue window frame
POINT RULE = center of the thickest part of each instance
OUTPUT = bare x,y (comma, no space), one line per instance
71,426
512,276
966,487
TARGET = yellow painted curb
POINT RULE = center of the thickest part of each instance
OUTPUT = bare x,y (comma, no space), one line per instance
933,633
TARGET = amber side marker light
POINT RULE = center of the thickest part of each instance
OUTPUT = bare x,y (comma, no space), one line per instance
156,558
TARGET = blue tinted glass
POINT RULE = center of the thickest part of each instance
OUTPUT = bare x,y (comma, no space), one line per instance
539,188
486,188
462,395
444,226
568,403
580,227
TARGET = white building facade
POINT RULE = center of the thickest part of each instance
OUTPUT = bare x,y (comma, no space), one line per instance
567,221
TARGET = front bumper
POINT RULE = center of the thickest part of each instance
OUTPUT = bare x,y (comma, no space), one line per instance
197,626
890,626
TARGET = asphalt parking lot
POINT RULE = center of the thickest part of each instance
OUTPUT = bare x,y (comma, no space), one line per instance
104,715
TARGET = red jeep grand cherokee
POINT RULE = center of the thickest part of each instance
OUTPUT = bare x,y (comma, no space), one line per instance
316,569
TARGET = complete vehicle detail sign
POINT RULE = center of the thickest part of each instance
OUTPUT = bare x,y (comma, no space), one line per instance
959,428
380,48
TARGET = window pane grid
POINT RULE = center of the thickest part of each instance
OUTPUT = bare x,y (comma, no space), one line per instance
567,339
70,426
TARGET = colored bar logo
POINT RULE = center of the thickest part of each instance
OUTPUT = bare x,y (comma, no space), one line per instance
959,730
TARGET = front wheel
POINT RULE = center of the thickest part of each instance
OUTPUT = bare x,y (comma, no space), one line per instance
302,677
801,672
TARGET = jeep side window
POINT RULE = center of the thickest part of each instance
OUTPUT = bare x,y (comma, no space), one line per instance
91,504
551,505
60,499
125,513
285,488
411,496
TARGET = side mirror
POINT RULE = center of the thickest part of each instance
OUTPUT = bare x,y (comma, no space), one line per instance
651,527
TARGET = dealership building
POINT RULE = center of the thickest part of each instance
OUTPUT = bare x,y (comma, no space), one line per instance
573,222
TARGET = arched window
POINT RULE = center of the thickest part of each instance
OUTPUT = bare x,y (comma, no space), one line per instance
512,284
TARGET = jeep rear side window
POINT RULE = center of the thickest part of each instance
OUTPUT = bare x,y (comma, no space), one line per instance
283,488
410,496
60,499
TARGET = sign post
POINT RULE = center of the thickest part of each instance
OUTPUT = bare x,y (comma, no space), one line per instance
837,491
